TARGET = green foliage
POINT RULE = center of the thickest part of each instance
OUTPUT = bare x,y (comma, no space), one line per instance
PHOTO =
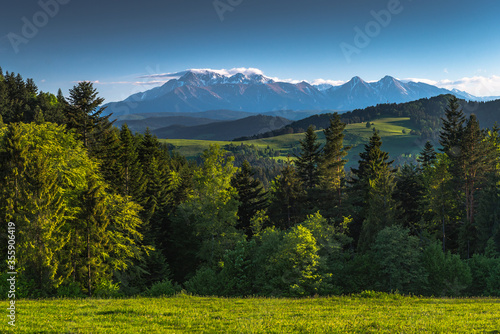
204,283
287,199
163,288
308,160
397,255
70,290
107,289
448,275
236,276
251,196
295,265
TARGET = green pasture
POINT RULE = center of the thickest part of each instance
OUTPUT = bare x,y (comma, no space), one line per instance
356,135
379,313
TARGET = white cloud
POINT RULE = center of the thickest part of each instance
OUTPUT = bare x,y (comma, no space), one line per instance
478,85
328,82
427,81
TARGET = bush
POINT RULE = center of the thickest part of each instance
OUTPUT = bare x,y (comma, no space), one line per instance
163,288
107,289
71,290
204,283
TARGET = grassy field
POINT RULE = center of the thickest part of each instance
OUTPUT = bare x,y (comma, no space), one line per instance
391,130
180,314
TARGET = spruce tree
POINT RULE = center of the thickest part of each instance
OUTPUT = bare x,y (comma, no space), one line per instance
131,178
251,196
287,199
84,113
452,130
374,171
308,160
427,156
477,160
331,167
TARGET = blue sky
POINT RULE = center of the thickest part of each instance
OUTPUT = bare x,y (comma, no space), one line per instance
116,43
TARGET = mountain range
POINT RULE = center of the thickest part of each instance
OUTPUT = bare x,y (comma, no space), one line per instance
204,90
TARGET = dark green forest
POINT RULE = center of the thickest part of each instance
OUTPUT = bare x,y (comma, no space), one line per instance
101,211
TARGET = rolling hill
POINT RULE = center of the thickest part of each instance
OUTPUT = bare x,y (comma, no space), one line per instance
395,133
223,130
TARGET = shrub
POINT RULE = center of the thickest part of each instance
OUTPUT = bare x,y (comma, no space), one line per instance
204,283
107,289
71,290
163,288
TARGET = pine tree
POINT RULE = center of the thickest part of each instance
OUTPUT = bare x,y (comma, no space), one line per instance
251,196
84,113
477,160
427,156
332,162
287,199
382,209
372,177
452,131
488,214
131,178
409,193
308,160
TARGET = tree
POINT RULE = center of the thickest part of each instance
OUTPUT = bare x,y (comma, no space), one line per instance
397,255
209,215
291,267
427,156
440,203
287,199
452,131
131,179
84,113
373,176
251,196
381,210
409,194
308,160
332,162
69,226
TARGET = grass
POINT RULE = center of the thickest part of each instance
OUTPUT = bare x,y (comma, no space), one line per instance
181,314
391,130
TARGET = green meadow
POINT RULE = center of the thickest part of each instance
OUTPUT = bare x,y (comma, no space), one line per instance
364,313
356,135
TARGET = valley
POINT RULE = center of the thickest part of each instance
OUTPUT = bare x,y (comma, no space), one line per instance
391,130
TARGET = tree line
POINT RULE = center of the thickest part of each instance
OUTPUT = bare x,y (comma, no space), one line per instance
100,211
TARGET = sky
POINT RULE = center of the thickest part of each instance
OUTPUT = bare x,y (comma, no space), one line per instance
121,45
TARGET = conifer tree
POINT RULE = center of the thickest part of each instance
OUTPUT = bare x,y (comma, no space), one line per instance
452,131
287,199
85,114
332,162
132,182
373,178
251,196
409,194
308,160
427,156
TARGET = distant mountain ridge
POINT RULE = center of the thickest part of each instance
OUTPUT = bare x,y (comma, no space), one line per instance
203,90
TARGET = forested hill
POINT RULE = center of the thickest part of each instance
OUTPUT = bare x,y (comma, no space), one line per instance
223,130
425,115
100,211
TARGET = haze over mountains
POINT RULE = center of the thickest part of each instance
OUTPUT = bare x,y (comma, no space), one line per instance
204,90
